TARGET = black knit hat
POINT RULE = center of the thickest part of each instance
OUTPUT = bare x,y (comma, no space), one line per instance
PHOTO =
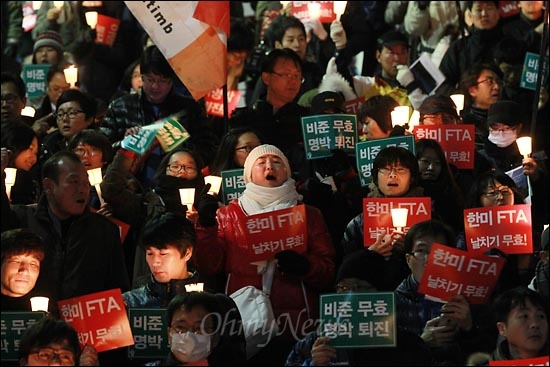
365,265
392,38
505,112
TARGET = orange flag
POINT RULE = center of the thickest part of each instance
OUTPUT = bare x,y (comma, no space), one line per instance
192,35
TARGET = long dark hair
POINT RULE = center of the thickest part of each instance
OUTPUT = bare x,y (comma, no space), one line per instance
225,155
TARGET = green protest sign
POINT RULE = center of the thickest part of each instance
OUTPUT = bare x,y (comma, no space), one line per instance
366,151
168,131
34,76
12,328
531,70
232,184
359,320
149,329
323,133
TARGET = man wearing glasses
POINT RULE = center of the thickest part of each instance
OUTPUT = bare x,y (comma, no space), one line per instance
156,99
478,46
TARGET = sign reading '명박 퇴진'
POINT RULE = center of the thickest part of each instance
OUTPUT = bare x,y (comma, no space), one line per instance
361,320
323,133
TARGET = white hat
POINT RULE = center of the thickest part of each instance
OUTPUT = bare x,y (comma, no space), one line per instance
258,152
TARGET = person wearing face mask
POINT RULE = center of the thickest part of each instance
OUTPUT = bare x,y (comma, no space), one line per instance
504,121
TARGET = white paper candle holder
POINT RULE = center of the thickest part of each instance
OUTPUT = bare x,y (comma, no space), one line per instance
91,18
95,176
458,99
187,197
9,181
400,116
39,303
215,184
338,7
524,145
71,75
399,218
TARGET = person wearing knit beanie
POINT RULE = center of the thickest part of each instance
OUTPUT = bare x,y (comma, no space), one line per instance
48,39
261,151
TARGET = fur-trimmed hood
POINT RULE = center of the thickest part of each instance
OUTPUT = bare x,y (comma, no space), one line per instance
336,83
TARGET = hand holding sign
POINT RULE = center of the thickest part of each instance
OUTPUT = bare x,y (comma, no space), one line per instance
289,261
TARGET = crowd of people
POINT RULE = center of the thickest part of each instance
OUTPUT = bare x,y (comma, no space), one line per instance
60,234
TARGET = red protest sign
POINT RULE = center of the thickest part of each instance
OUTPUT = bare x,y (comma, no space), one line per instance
352,106
451,271
377,214
537,361
99,318
214,102
106,30
123,227
270,233
300,10
506,227
457,141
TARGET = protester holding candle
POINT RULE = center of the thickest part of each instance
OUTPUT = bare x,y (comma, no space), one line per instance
20,147
298,278
131,203
504,121
22,252
395,174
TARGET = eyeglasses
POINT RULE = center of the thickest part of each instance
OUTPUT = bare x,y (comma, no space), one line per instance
398,170
296,78
162,82
60,116
420,255
503,190
9,98
246,148
501,130
48,354
81,152
490,82
177,168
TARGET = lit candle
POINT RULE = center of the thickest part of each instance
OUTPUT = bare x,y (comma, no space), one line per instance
314,10
58,4
36,5
215,184
91,18
39,303
458,99
399,217
187,197
414,120
400,115
71,75
524,146
338,7
95,176
9,181
28,111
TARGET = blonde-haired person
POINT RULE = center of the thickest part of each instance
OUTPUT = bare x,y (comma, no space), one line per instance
299,278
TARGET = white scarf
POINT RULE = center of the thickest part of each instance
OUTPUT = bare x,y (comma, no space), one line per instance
260,199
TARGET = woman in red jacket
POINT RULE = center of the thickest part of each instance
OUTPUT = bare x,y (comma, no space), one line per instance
299,278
